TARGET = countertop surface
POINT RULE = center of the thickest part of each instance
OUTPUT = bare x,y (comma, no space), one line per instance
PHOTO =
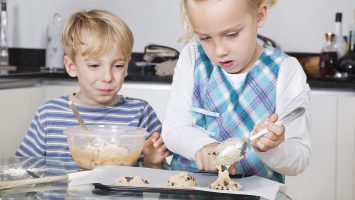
150,77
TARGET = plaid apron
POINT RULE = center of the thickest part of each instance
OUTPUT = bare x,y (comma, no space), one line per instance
224,111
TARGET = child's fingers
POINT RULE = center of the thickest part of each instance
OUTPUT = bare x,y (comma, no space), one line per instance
166,154
276,130
159,142
259,146
265,143
162,149
273,118
199,161
231,169
154,137
202,160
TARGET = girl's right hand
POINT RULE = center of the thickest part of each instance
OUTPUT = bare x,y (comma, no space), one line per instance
203,160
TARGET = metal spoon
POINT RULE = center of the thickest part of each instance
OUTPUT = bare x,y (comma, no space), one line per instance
233,149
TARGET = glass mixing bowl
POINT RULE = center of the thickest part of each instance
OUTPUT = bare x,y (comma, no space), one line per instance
105,145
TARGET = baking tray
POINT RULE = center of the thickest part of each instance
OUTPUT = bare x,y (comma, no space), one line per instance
101,189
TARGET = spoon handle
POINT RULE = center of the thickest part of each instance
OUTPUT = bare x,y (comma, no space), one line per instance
289,117
77,115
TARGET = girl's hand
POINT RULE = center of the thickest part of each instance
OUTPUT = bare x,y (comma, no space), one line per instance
270,140
203,160
154,149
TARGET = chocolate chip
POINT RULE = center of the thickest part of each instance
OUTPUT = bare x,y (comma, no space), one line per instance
128,178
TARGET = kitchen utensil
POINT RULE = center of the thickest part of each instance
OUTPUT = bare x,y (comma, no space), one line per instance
49,179
232,150
77,115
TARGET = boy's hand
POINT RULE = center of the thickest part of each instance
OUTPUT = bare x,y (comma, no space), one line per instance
270,140
154,149
203,160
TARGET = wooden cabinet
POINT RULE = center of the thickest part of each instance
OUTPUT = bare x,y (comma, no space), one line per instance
17,108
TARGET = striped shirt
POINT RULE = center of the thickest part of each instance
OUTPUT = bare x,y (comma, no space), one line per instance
45,136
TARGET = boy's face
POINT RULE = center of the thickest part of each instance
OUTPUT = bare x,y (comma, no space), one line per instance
100,78
227,30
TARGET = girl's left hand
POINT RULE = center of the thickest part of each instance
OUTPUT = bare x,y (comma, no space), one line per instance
270,140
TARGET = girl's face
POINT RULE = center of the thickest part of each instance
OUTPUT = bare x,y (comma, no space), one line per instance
227,30
100,78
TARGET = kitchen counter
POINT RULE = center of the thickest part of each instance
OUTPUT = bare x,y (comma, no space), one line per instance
30,79
332,83
29,60
26,79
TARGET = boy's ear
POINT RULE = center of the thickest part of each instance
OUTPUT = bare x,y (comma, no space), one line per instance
261,15
70,66
126,72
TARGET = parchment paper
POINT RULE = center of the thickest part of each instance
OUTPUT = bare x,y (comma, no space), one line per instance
158,178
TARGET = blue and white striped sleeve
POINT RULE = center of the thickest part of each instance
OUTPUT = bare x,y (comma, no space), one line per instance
34,142
150,120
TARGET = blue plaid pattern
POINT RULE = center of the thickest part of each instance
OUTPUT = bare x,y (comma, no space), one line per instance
239,108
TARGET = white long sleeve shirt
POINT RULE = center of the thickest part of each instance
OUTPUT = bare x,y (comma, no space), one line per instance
290,158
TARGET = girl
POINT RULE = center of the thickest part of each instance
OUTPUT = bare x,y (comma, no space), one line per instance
227,85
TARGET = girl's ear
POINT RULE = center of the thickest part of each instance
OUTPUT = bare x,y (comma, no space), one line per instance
70,66
261,15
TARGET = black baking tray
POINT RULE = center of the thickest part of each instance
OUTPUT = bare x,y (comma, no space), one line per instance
179,193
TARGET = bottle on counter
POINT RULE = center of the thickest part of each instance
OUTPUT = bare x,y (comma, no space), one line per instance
340,43
54,49
347,62
328,57
4,49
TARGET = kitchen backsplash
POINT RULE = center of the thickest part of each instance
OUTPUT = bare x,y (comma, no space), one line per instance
27,60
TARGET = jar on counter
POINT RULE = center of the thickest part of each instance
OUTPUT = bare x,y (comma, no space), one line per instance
54,49
328,57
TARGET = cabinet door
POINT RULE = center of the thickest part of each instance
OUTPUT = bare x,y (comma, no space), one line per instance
318,181
55,91
346,148
17,108
157,95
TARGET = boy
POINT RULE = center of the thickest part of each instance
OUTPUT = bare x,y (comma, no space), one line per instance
97,46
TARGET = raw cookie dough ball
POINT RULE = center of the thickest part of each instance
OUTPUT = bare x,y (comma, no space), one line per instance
224,182
182,179
131,180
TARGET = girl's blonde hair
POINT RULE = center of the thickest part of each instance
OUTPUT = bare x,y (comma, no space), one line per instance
99,31
189,33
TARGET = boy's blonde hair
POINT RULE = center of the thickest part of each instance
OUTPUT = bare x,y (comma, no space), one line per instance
253,4
99,30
